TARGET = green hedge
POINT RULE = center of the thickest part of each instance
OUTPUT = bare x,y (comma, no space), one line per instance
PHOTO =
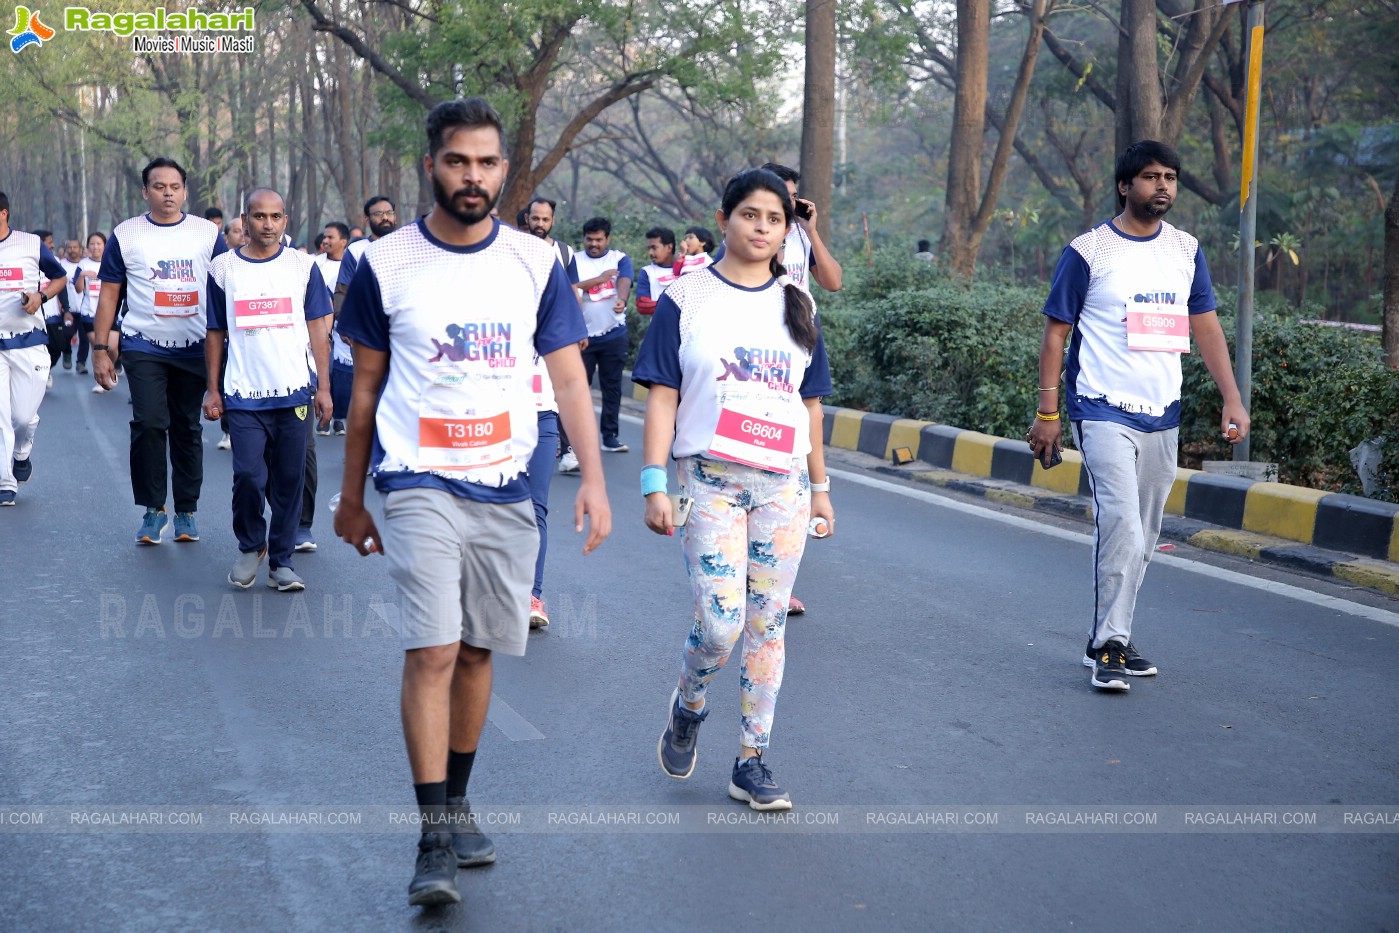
906,340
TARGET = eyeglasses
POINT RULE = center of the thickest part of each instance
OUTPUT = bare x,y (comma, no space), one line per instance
380,215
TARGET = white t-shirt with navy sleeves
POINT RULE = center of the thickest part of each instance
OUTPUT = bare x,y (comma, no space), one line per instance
1102,275
598,301
165,268
25,262
461,325
264,305
720,343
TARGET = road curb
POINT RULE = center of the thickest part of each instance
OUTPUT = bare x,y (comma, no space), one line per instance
1330,534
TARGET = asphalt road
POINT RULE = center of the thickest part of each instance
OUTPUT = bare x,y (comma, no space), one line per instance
951,767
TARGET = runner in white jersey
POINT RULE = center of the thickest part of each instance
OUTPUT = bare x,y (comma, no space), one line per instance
445,316
736,369
160,262
273,307
695,251
335,239
654,279
539,217
90,287
1134,290
604,279
72,256
25,262
56,313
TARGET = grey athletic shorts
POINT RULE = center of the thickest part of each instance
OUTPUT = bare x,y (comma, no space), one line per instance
463,568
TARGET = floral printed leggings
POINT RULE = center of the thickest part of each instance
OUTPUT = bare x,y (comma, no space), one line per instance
743,544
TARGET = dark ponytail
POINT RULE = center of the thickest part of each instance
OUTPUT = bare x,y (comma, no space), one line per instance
799,311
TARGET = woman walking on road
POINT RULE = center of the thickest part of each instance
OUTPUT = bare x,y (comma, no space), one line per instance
736,369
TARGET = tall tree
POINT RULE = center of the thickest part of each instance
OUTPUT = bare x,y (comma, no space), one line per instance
1391,280
819,108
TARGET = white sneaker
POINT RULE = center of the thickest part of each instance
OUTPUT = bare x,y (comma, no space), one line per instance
568,463
98,389
50,382
225,442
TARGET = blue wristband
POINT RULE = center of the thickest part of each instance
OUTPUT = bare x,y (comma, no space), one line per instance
653,479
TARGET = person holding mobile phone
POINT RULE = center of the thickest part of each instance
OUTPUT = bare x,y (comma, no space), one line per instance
1134,291
736,368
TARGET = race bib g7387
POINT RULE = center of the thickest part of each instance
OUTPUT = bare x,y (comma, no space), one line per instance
262,311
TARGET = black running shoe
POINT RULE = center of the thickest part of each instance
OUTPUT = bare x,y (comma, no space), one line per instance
753,783
22,469
676,749
1137,666
435,876
1110,668
472,847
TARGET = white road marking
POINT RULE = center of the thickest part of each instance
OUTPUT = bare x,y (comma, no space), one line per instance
516,727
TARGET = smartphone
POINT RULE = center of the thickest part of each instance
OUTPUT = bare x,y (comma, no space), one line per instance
680,510
1053,460
802,209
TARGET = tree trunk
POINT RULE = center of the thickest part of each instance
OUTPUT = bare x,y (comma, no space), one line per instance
1391,281
968,128
1138,114
818,109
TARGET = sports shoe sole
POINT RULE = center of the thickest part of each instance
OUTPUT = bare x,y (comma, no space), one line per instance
674,698
296,587
249,585
148,540
186,538
537,621
435,895
738,793
1089,662
305,547
1119,685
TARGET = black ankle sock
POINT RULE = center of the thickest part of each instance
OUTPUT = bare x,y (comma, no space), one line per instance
432,804
459,772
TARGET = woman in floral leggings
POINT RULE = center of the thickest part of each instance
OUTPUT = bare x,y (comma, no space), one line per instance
736,369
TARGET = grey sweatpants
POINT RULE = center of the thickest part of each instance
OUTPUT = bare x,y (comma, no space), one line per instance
1130,474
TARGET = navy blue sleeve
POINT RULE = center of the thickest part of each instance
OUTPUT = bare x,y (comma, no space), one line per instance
113,268
560,320
220,245
658,359
348,262
1069,288
719,253
643,285
625,269
317,298
572,271
1201,289
362,317
215,306
816,381
49,264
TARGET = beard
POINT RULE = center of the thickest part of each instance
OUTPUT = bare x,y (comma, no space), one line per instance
381,228
540,230
1149,210
448,202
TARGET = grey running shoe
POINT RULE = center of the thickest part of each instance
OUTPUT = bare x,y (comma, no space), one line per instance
471,846
753,783
244,572
435,875
676,749
285,580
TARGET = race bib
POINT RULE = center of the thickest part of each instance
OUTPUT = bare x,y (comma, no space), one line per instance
455,438
94,287
262,311
175,299
604,291
11,278
748,434
1163,328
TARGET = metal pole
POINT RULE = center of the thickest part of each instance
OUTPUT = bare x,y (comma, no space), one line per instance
1248,219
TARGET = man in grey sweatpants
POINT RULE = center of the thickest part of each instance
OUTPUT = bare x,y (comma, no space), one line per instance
1133,290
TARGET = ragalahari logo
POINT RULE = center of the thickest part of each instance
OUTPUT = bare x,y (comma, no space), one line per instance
29,30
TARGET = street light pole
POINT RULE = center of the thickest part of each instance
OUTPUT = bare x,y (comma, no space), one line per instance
1248,220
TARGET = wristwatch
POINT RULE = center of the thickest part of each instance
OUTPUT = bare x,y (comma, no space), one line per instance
822,487
101,346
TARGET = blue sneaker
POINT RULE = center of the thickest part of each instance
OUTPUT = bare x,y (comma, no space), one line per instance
23,469
7,497
304,541
185,528
753,782
151,526
676,749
